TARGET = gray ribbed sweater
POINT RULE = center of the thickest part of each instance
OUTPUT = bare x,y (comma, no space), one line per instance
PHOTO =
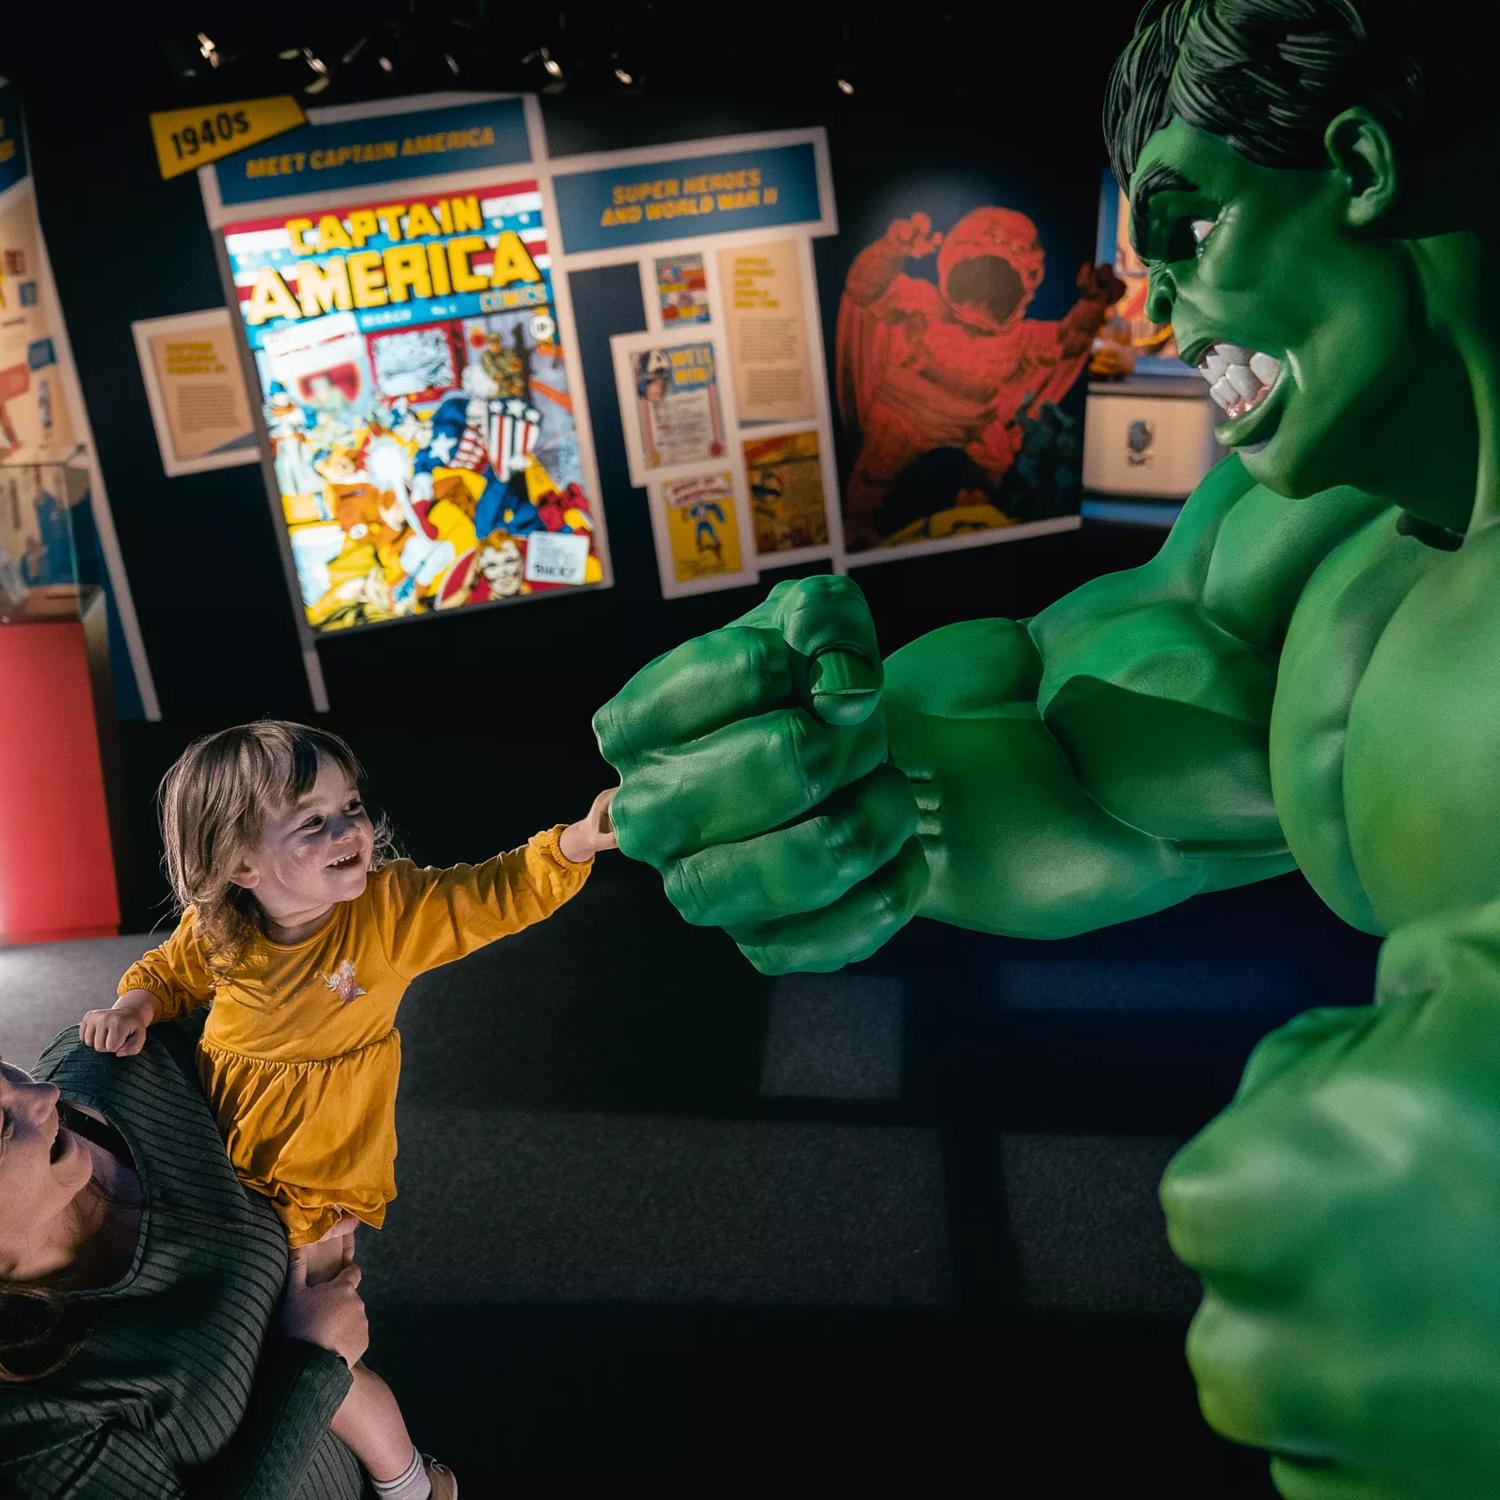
184,1387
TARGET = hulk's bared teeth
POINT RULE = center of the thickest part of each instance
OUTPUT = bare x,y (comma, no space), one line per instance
1267,367
1243,380
1238,378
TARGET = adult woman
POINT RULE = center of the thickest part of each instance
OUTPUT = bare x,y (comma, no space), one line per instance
139,1349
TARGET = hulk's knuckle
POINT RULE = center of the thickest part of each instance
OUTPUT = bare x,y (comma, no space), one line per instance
803,748
769,961
838,843
613,743
761,661
686,891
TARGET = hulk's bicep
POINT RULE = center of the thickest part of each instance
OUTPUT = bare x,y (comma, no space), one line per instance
1166,726
1158,683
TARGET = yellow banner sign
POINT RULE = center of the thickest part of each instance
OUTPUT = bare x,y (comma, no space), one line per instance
187,139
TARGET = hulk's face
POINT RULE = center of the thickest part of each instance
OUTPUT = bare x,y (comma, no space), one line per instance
1307,328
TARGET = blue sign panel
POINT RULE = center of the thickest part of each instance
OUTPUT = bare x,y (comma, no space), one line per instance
391,148
690,198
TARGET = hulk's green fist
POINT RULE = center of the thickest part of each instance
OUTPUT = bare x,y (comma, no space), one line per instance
754,775
1344,1214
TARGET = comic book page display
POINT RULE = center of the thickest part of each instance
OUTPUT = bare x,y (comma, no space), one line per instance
682,290
702,527
417,403
948,390
670,401
785,476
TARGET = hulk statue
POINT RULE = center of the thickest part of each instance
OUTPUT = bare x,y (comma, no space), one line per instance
1303,677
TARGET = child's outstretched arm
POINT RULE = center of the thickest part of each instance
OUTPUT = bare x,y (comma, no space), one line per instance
166,982
432,917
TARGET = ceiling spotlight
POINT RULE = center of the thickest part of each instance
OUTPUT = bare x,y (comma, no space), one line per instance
321,77
207,51
452,62
386,65
845,87
542,58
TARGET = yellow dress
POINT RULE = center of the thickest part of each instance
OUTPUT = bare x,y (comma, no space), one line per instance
299,1056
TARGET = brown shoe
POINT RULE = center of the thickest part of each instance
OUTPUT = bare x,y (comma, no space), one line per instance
442,1479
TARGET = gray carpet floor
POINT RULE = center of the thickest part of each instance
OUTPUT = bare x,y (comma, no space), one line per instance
661,1215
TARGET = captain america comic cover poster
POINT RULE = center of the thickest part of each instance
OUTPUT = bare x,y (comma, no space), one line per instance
417,402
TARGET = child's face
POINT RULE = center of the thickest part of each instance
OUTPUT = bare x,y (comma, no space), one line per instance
311,854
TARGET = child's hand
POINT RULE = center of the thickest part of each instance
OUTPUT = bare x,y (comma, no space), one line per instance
582,840
122,1029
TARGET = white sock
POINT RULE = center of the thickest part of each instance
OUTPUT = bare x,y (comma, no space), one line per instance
412,1485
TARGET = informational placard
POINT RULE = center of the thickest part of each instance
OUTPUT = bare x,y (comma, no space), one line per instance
698,520
55,521
196,389
418,400
685,193
353,149
671,396
766,333
186,139
787,496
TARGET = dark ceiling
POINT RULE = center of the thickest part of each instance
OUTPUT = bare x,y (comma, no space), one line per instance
1004,55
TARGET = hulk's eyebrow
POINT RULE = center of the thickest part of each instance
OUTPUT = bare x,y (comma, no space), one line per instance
1158,179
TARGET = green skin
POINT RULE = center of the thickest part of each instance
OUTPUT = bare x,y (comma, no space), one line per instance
1290,683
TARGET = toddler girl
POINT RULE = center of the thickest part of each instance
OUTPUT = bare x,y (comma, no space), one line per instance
304,934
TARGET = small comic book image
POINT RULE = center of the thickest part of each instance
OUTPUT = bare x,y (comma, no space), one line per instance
702,528
786,492
680,416
418,405
682,287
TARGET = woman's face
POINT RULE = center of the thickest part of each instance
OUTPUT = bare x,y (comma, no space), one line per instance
43,1167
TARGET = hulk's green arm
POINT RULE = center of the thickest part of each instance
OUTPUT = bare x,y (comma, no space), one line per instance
1108,758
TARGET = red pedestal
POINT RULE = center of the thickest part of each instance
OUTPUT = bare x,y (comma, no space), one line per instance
57,869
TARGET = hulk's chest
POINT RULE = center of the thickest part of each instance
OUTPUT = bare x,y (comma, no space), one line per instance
1385,738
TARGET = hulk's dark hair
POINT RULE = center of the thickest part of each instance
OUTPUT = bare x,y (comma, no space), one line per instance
1268,75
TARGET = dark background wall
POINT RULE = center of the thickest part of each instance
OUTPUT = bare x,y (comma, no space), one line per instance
200,550
1054,1079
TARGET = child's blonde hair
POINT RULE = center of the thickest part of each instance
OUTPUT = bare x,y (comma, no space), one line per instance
213,804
